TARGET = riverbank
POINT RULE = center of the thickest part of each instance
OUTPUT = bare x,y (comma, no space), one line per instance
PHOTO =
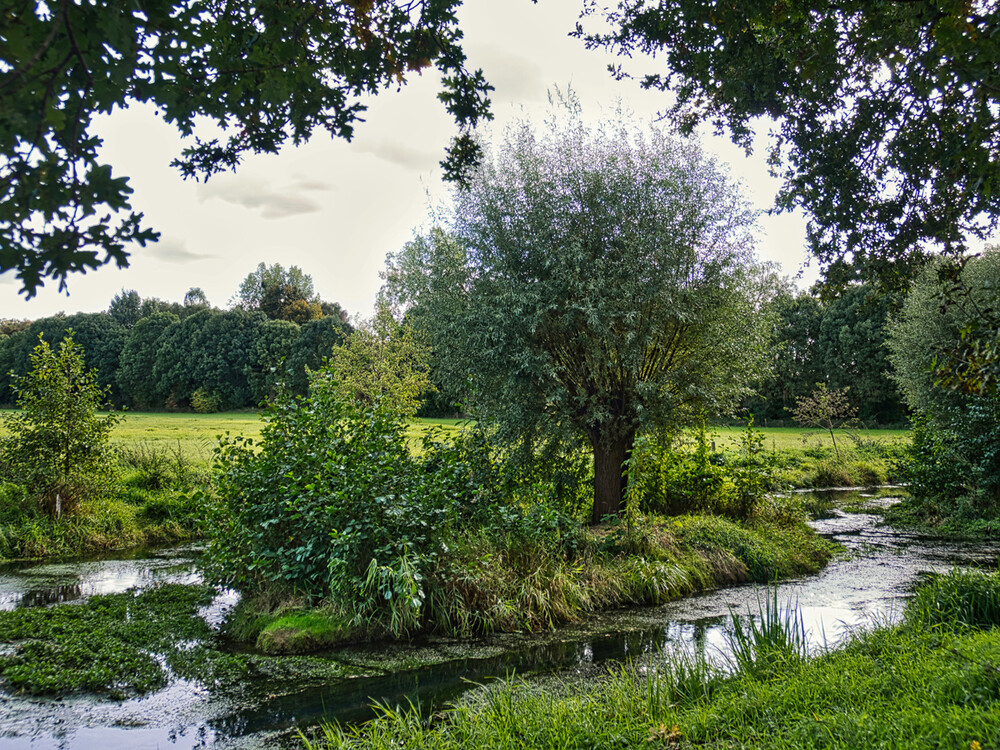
229,696
931,682
486,587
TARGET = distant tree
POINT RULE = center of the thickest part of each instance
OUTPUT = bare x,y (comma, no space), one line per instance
101,336
609,287
334,310
851,351
195,297
311,349
279,294
797,366
138,358
273,343
126,308
826,409
57,442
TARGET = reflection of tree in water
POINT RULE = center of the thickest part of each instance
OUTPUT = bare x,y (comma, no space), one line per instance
42,597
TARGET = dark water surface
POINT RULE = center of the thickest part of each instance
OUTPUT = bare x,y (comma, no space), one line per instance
868,583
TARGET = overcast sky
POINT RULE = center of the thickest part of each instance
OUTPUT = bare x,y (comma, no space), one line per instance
335,209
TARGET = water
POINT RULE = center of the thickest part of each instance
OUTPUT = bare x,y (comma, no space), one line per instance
870,582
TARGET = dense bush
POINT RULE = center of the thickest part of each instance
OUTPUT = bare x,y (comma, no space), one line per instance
332,504
669,475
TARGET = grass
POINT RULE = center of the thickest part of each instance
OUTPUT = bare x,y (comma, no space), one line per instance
196,434
910,687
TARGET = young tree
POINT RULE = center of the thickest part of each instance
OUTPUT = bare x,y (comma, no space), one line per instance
57,440
826,409
383,364
266,72
606,286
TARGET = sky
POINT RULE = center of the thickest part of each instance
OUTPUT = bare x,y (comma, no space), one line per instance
336,209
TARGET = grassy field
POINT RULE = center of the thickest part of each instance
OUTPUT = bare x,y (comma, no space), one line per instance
198,432
196,435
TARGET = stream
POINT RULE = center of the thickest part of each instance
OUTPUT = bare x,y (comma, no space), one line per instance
868,583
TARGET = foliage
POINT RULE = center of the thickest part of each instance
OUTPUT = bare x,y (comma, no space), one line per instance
266,73
383,361
886,112
838,340
279,294
608,288
954,462
825,408
138,358
329,503
57,443
672,474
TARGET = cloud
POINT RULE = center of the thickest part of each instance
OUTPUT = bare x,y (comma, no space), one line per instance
514,77
173,250
399,153
272,201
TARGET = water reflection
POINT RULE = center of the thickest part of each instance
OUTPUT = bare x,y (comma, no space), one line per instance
68,581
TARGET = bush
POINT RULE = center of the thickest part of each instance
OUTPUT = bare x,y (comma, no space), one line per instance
332,505
204,401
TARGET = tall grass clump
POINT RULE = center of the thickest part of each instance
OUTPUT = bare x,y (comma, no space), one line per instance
958,600
761,644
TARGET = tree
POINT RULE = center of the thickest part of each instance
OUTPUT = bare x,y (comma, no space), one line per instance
826,409
851,351
928,331
266,72
314,345
126,308
383,364
887,112
279,294
957,429
608,288
138,358
195,297
57,440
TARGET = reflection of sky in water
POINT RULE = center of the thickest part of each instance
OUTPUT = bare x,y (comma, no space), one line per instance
53,583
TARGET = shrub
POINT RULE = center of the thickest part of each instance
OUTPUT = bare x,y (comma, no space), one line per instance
331,504
205,401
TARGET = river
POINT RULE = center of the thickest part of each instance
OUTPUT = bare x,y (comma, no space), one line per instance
868,583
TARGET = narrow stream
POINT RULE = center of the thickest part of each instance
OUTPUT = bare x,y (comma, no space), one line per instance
870,582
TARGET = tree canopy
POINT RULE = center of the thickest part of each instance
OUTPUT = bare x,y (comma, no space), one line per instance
279,294
600,282
268,72
887,112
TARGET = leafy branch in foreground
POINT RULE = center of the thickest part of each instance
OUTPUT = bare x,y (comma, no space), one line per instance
267,72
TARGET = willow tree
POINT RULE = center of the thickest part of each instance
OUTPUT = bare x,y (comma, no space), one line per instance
609,287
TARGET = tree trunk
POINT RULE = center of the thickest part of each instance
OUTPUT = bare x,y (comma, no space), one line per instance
610,478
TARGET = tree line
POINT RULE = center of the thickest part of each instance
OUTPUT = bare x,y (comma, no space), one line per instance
151,354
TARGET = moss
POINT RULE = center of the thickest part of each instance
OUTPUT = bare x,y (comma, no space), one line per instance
304,632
